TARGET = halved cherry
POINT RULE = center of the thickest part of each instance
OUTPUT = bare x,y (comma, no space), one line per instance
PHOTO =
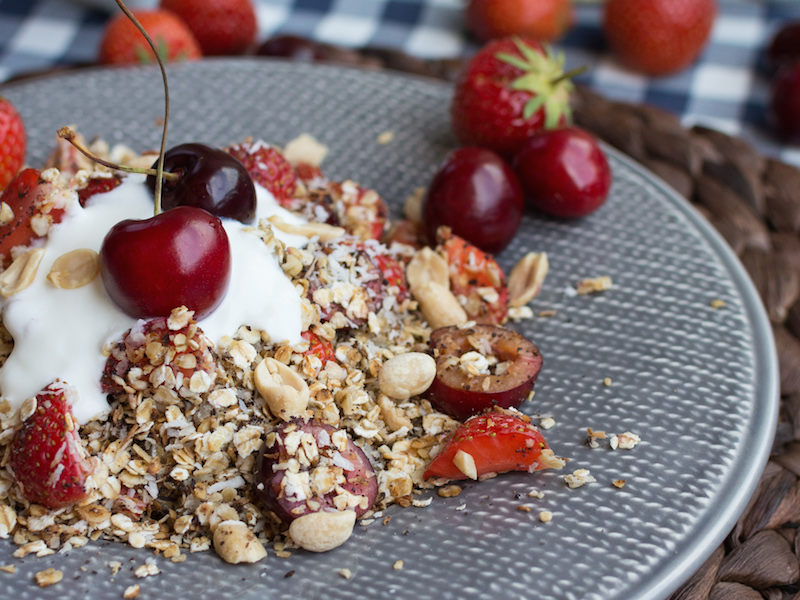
480,367
495,442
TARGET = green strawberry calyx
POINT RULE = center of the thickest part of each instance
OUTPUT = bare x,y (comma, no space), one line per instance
544,78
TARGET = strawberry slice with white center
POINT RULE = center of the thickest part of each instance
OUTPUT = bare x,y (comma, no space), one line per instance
47,458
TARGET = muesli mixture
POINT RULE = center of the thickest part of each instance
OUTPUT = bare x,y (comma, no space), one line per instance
245,441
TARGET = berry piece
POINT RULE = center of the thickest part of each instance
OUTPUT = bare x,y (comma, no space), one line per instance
35,204
784,102
475,278
496,442
785,46
180,257
564,172
98,185
268,168
658,37
543,20
123,44
175,344
46,455
220,27
478,196
210,179
469,381
12,142
509,90
333,472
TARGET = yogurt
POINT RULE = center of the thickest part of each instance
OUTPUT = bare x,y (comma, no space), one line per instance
60,334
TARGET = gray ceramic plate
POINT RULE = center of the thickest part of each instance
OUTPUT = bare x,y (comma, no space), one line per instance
698,384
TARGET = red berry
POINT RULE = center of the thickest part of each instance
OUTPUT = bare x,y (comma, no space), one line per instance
268,168
785,46
785,102
12,142
564,172
658,37
46,455
478,196
123,44
98,185
220,26
544,20
180,257
510,89
462,393
29,198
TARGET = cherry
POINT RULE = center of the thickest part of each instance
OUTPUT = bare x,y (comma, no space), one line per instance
459,392
292,46
180,257
785,46
478,196
564,172
785,102
208,178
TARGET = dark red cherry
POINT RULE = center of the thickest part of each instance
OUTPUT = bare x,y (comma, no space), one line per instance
785,46
209,178
461,393
180,257
292,46
784,102
477,195
564,172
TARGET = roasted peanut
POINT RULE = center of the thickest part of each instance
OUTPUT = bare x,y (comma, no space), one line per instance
407,375
322,531
285,392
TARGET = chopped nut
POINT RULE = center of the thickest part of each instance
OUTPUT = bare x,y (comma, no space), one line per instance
20,273
547,423
74,269
6,214
322,531
624,441
407,375
235,543
717,303
386,137
465,463
346,573
526,278
607,381
594,284
619,483
398,565
8,569
523,508
305,149
48,577
131,592
545,516
578,478
323,231
449,491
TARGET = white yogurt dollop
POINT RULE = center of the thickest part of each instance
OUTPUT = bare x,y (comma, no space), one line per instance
60,334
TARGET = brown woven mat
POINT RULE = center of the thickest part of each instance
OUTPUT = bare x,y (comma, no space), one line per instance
754,202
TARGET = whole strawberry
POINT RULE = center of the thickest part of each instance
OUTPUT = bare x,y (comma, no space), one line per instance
220,27
543,20
46,456
12,142
123,44
510,89
658,37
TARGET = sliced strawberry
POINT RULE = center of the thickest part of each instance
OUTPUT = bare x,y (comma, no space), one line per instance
476,279
46,456
98,185
268,168
12,142
393,274
496,442
319,347
34,209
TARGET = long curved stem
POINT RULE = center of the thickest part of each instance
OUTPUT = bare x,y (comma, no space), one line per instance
160,166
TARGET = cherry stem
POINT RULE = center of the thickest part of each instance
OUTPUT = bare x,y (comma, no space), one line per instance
65,133
570,74
160,166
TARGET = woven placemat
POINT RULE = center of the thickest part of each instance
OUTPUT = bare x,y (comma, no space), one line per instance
754,203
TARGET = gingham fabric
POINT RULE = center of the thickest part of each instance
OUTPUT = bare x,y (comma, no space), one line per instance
727,88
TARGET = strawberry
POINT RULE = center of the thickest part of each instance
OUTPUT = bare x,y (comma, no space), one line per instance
221,26
475,278
98,185
543,20
494,442
46,455
123,44
12,142
268,168
510,89
319,347
658,37
35,205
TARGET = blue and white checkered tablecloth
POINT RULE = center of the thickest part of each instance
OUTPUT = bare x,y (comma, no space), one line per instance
726,89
